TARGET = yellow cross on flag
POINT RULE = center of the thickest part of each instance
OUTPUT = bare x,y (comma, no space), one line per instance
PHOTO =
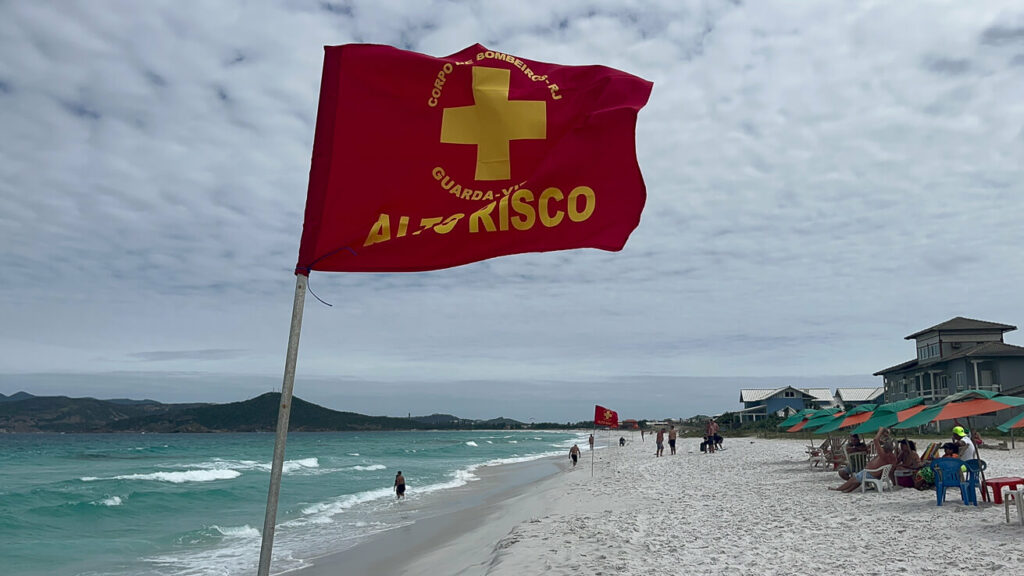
492,121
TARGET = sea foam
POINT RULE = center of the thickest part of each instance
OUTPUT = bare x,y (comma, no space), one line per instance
175,477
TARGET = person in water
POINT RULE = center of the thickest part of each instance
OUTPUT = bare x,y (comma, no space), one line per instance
399,485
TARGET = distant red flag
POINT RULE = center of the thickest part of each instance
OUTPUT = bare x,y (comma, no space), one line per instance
605,417
421,163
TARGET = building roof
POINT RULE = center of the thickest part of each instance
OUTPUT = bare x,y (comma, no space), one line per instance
960,323
759,394
897,368
859,394
823,394
987,350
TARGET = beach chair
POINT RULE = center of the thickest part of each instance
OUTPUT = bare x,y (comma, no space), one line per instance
856,462
837,455
878,483
817,455
972,483
1013,496
947,475
930,451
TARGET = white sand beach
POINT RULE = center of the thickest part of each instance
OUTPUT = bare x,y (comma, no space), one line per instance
754,508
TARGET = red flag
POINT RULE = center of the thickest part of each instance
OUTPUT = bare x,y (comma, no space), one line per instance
605,417
421,163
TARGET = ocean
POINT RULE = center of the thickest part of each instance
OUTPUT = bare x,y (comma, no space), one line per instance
193,504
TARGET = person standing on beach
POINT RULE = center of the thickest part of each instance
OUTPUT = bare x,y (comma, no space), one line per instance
399,485
574,454
591,441
710,432
672,439
660,442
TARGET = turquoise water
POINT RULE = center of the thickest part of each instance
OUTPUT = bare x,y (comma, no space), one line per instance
193,504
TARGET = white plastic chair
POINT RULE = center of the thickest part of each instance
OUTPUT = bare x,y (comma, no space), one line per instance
1013,496
880,482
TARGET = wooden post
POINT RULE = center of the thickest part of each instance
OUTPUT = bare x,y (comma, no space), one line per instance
283,414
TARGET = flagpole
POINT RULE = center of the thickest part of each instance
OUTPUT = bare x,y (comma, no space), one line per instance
592,453
282,425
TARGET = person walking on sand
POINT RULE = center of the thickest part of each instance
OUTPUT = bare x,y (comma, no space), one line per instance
399,485
659,441
672,439
591,441
574,454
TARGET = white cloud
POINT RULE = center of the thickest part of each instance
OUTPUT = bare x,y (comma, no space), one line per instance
822,180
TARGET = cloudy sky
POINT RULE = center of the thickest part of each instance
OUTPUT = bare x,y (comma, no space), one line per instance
823,179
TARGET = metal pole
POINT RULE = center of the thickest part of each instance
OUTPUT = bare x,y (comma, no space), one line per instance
282,426
592,453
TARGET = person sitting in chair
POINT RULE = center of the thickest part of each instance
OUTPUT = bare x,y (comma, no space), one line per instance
856,444
884,455
907,458
924,479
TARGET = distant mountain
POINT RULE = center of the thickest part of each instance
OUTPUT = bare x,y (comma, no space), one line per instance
130,401
16,397
436,419
63,414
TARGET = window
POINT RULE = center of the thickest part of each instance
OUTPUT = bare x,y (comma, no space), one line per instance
958,380
789,394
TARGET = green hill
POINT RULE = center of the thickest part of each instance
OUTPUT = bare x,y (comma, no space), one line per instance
259,414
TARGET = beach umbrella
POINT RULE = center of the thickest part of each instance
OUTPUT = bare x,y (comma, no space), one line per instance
795,418
851,418
889,414
1015,422
965,406
819,421
810,416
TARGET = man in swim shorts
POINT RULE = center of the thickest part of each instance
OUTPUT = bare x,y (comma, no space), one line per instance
574,454
399,485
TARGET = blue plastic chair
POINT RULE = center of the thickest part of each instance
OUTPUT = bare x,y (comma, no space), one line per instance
973,481
947,475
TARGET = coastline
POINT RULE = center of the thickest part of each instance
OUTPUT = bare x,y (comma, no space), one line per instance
457,529
755,508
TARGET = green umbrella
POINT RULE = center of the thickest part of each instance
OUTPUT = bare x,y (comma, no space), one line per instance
795,418
888,414
964,406
823,419
968,395
811,416
838,423
1015,422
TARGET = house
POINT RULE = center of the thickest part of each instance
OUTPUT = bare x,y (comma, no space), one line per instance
959,354
847,398
759,403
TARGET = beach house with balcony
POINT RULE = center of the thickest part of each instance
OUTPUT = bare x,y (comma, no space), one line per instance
959,354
